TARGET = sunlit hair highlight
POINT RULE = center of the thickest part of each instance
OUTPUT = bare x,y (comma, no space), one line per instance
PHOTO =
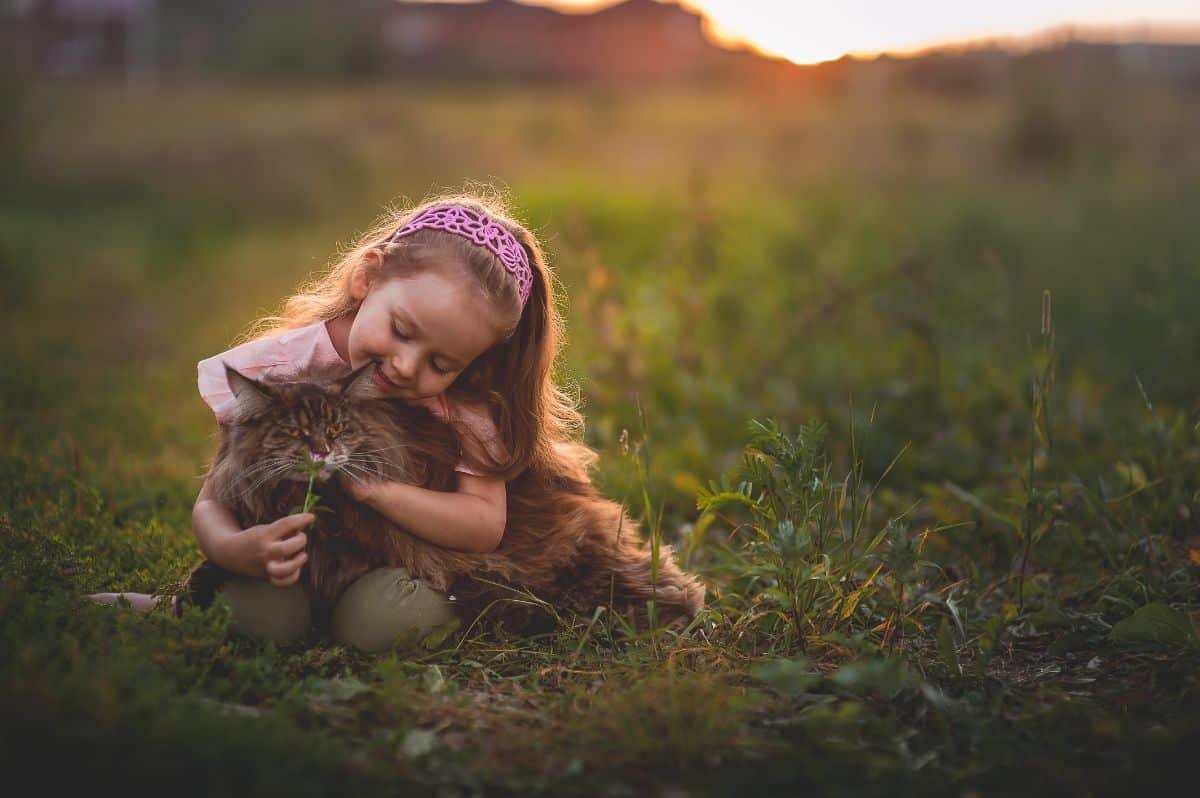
538,421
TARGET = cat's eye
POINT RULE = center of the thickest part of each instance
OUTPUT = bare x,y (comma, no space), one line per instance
333,430
295,433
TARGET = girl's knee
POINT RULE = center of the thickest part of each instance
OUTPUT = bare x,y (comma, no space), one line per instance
385,607
260,609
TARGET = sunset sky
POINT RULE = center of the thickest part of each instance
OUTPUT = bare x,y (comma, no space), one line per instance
806,31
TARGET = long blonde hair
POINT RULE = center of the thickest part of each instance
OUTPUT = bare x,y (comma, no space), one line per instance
537,420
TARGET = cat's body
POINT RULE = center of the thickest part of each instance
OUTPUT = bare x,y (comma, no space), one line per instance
563,541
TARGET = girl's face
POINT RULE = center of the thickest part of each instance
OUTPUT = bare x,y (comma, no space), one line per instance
423,329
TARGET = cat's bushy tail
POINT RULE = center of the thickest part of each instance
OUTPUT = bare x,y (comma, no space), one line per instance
577,550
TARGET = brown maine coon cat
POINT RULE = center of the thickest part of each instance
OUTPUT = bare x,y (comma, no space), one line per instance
563,541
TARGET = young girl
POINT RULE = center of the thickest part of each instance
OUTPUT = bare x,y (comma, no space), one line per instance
454,300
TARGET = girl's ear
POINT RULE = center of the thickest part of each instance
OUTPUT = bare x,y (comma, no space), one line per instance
364,274
252,396
360,383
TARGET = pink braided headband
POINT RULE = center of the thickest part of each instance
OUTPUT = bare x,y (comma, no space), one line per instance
481,230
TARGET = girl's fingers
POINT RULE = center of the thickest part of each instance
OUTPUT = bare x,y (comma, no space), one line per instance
291,523
277,569
282,549
288,580
285,552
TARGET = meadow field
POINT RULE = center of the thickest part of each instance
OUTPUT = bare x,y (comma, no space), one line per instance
912,383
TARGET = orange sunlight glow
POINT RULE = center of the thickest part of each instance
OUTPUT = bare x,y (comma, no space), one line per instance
805,31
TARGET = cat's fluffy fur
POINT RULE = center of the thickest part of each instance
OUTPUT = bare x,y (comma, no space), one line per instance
563,542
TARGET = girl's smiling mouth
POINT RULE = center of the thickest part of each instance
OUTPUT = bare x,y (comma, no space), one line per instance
383,382
387,384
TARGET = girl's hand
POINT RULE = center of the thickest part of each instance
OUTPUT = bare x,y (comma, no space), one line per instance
361,490
274,551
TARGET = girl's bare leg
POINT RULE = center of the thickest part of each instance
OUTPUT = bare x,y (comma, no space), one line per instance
142,602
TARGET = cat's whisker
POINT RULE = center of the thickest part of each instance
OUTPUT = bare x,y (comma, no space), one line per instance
360,480
251,488
350,469
373,461
384,449
258,478
264,475
259,466
271,462
379,453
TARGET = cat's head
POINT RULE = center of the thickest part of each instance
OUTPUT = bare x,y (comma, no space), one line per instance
287,430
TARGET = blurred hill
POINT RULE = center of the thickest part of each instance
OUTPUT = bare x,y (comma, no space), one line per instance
632,43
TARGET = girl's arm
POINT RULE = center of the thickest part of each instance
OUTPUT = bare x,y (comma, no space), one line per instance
272,551
470,519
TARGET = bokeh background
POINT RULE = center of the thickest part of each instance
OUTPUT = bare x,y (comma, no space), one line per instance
737,235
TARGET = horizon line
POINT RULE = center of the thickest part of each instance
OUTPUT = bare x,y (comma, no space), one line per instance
1015,42
1134,31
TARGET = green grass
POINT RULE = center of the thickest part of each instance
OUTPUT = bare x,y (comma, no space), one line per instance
957,551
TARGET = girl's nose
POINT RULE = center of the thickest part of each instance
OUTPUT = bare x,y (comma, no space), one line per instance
405,365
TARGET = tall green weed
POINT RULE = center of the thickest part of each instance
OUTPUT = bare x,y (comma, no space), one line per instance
809,554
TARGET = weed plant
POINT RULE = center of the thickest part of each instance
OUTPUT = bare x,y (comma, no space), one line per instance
804,562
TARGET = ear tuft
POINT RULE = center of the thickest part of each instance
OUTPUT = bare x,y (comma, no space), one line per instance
360,383
252,396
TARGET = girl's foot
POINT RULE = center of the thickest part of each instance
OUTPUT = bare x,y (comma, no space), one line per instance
141,602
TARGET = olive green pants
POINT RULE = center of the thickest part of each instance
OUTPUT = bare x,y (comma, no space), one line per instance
382,608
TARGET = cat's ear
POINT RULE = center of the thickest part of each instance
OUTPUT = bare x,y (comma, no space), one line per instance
360,383
252,396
